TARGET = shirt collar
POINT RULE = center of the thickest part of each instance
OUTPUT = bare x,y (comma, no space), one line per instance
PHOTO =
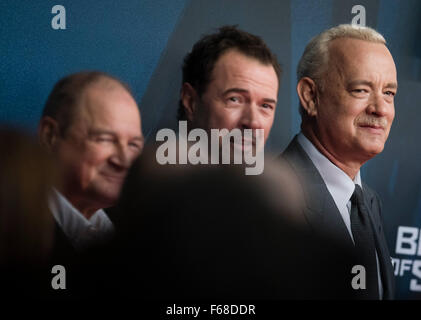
339,184
81,231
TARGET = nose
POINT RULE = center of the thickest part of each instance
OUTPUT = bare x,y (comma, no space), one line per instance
250,118
120,158
379,106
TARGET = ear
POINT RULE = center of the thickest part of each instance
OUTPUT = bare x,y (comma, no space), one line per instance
308,94
48,133
189,100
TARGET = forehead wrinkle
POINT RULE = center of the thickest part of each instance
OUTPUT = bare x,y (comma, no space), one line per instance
251,86
344,65
102,83
229,71
89,114
373,51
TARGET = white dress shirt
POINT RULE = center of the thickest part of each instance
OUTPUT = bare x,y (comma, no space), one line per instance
81,232
340,186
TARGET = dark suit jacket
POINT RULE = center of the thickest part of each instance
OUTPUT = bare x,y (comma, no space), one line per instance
324,217
210,232
85,272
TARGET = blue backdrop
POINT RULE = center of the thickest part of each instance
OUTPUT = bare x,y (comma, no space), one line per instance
143,43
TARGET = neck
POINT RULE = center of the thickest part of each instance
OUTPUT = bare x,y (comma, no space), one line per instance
350,167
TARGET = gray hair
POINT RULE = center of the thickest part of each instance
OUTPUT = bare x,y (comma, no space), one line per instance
314,61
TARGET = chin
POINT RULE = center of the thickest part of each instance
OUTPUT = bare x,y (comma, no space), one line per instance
373,150
108,203
107,199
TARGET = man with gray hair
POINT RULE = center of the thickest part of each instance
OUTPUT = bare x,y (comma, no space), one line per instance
346,86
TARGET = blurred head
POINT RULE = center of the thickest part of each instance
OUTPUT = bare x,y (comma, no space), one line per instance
230,80
26,224
346,84
221,234
91,124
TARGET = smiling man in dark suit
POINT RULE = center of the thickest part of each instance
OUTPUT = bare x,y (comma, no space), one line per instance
346,86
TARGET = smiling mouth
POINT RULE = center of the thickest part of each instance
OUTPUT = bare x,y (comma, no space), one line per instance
245,144
114,178
373,128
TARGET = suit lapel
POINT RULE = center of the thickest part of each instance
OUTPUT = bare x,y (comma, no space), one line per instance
321,213
325,218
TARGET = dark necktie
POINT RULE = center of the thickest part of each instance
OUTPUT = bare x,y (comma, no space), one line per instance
362,232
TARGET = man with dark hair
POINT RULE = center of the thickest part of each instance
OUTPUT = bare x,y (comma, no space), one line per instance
91,125
230,80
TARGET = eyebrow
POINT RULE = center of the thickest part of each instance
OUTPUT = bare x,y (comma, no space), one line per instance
239,90
97,132
139,138
390,85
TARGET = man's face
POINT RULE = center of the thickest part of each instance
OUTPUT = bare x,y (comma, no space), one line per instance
241,94
355,108
99,146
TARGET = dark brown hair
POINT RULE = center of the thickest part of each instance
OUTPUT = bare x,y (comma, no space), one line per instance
199,63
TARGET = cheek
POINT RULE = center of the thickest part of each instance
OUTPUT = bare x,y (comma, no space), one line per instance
392,116
348,112
94,158
337,123
224,118
267,125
